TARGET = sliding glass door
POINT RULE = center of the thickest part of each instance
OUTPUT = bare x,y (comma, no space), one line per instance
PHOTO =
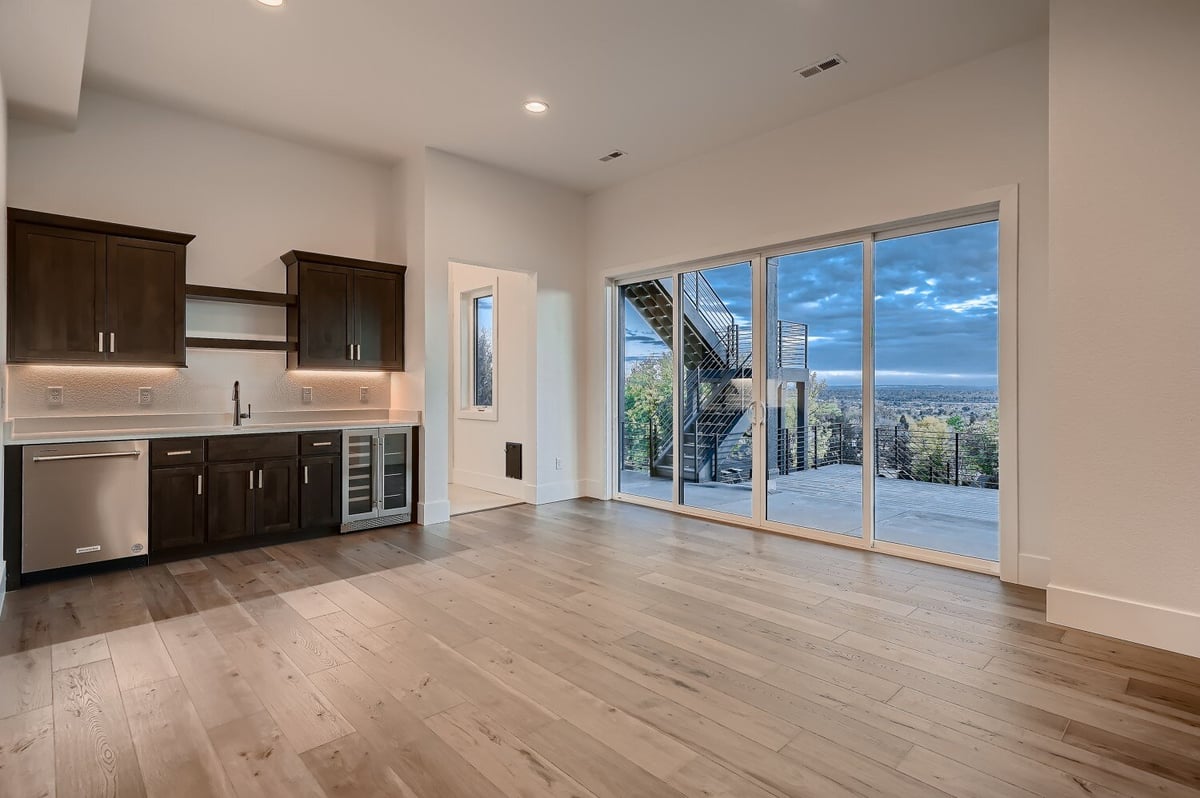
716,389
937,422
814,389
845,390
646,421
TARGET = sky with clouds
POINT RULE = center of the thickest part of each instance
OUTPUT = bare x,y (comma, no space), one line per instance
935,308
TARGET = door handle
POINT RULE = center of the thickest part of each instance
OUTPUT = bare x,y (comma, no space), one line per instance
100,343
349,351
251,475
199,484
51,457
306,475
260,479
112,342
358,351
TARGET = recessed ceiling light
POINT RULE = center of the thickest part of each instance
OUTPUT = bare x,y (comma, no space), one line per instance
272,3
537,107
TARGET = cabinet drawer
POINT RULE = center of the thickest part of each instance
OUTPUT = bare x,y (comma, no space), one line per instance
321,442
232,448
176,451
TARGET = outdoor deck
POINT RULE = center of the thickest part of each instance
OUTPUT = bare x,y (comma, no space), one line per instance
960,520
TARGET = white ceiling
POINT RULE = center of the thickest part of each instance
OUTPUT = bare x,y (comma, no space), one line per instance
660,79
41,57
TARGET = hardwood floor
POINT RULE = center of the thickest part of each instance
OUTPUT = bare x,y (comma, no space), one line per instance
582,649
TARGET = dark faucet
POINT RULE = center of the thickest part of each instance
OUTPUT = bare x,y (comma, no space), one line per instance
238,415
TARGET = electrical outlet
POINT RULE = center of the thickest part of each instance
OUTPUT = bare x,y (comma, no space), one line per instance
145,396
54,396
364,394
558,464
306,394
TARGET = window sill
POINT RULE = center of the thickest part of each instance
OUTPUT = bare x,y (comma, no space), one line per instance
477,414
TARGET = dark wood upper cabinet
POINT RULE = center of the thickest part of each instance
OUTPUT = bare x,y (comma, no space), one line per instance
379,320
146,304
82,291
325,306
349,313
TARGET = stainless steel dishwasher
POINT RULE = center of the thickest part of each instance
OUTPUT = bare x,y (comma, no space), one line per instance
84,503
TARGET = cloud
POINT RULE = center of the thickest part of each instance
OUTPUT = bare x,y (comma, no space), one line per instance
907,291
985,302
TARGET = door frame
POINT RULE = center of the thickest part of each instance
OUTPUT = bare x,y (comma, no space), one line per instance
1000,204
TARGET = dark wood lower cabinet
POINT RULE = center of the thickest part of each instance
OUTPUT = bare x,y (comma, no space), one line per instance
230,501
276,497
320,491
176,507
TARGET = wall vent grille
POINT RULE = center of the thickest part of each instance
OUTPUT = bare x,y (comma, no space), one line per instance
611,156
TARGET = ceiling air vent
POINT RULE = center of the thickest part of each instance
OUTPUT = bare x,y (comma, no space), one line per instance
611,156
821,66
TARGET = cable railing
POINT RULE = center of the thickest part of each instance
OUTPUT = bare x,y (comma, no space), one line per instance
791,344
958,458
704,303
967,458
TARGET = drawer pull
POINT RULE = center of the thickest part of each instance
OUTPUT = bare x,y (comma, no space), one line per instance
322,443
179,452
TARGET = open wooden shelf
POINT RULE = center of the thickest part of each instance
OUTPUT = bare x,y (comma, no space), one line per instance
253,344
214,293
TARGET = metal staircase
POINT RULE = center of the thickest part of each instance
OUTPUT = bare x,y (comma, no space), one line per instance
716,393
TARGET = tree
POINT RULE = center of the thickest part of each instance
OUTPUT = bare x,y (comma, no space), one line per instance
647,389
928,438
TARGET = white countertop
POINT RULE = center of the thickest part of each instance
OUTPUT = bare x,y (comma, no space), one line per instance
123,428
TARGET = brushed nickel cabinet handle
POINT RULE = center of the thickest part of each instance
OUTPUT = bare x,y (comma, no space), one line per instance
322,443
53,457
112,342
100,344
199,484
260,479
178,452
306,475
251,475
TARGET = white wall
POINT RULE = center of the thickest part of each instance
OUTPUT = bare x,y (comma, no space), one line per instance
482,215
924,147
3,310
248,198
1125,275
477,444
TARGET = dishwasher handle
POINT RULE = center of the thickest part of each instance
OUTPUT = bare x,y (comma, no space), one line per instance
94,455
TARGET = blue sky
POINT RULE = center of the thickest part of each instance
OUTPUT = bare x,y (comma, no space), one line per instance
935,307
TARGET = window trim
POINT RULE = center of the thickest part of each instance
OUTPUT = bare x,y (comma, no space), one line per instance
467,409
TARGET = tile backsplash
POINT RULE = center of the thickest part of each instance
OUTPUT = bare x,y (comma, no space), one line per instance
206,386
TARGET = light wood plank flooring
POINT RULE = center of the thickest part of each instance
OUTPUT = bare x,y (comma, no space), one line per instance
581,649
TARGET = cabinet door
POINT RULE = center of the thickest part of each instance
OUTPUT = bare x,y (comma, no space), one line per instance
320,491
395,466
55,295
277,496
146,300
360,464
176,507
326,318
379,319
231,493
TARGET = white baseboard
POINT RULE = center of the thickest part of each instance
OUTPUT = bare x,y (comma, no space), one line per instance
513,488
437,512
557,491
594,488
1033,570
1149,624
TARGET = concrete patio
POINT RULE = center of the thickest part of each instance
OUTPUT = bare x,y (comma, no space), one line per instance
959,520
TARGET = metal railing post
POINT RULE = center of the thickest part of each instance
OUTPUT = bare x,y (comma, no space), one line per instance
956,472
